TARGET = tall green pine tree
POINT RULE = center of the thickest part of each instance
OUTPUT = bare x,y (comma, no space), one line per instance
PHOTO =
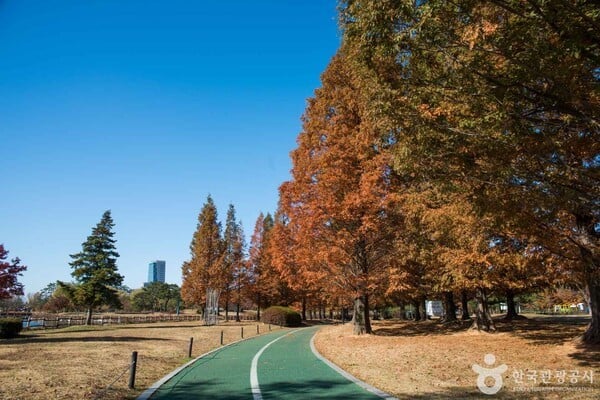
95,269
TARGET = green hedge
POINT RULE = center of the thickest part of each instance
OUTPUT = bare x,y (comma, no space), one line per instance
278,315
10,327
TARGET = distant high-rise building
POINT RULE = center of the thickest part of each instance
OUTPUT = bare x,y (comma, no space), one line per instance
156,271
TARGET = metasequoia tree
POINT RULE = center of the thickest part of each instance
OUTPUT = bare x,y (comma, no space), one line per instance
264,279
499,101
95,270
519,268
204,269
233,270
9,273
340,201
295,263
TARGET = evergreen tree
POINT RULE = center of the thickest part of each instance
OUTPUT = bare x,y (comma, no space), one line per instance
204,269
95,270
9,271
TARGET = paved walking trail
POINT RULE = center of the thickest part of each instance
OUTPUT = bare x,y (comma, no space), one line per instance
278,365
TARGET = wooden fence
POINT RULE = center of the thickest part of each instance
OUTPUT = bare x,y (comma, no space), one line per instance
32,322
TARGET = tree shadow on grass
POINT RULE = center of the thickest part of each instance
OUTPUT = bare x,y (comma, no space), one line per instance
421,328
544,330
557,331
99,328
539,330
33,339
587,355
103,328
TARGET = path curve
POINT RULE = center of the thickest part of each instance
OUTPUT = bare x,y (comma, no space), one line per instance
284,368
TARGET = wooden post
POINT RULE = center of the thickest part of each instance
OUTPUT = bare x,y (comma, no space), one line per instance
269,327
132,369
257,330
221,338
242,332
190,348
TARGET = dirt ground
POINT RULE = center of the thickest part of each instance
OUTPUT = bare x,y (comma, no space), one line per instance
428,360
81,362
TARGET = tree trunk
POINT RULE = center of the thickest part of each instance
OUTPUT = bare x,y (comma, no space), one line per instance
464,299
417,311
258,307
449,307
483,318
402,315
303,308
226,310
587,242
361,320
511,308
592,333
423,308
88,317
238,304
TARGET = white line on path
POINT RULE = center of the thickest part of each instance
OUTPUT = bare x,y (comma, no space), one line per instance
254,368
347,375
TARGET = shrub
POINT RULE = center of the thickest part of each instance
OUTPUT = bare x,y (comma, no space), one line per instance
278,315
10,327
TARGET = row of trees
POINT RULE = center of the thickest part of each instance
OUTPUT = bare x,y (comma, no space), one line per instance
452,150
155,297
219,260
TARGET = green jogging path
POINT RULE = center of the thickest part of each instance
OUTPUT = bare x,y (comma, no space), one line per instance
278,365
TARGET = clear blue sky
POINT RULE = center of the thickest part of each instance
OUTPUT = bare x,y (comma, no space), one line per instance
144,108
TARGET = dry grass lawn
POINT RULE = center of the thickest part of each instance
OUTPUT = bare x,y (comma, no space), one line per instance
80,362
427,360
410,360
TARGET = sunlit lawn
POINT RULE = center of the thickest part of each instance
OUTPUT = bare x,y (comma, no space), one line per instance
426,360
80,362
